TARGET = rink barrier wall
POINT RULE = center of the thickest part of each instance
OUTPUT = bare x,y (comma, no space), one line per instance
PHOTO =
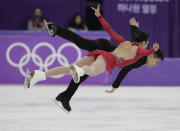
20,50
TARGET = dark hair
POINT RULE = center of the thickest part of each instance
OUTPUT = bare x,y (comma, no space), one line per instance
73,24
159,54
141,36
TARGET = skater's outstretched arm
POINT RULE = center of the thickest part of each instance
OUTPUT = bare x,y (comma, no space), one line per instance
146,52
115,36
123,73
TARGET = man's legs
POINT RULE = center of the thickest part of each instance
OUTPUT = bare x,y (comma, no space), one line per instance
83,43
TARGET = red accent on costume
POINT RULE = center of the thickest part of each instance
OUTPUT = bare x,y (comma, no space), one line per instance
112,61
134,43
115,36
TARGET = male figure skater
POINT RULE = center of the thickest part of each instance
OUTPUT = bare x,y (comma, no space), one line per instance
137,35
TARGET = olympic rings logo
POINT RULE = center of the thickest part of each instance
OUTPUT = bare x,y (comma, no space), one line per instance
37,60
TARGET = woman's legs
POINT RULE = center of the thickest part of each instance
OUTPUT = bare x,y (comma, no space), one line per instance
96,68
87,60
57,71
37,75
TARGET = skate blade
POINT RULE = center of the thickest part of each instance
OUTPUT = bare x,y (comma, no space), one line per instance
26,81
59,105
50,33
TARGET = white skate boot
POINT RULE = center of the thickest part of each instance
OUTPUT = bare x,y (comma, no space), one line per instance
36,76
76,72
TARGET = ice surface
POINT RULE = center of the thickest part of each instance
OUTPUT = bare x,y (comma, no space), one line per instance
128,109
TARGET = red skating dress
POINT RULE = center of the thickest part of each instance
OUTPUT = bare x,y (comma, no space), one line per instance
111,60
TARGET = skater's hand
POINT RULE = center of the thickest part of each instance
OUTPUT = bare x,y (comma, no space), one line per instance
133,22
156,46
110,91
97,11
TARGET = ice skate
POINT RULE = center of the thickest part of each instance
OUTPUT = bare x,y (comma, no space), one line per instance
76,72
33,77
63,105
52,29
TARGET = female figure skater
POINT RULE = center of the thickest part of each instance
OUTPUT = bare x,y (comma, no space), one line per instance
97,62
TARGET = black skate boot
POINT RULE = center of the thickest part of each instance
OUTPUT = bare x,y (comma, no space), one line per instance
62,103
52,29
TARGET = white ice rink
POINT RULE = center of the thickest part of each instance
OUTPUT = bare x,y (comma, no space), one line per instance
128,109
